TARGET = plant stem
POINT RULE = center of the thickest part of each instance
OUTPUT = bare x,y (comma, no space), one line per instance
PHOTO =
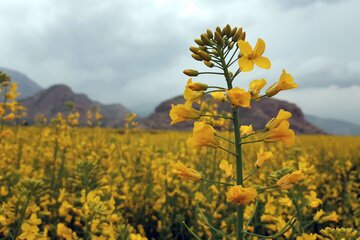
228,140
239,168
227,151
215,116
251,142
213,181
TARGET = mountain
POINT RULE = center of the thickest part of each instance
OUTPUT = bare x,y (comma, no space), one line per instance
52,100
334,126
259,114
26,86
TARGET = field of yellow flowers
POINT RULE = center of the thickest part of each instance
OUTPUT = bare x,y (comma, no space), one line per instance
66,182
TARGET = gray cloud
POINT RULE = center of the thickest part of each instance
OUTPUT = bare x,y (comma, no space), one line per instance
305,3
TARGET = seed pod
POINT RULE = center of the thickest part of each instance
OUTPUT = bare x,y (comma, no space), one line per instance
199,42
215,52
204,55
205,39
196,57
209,64
218,38
218,29
233,31
194,49
191,72
237,35
243,36
209,33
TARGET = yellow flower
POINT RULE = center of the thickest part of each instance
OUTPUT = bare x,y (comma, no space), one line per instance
318,215
314,202
64,232
227,168
191,95
281,133
287,181
255,87
203,135
218,96
332,217
285,82
263,156
281,117
239,195
186,173
2,111
306,236
250,56
34,220
9,117
183,112
239,97
137,237
196,86
29,231
246,130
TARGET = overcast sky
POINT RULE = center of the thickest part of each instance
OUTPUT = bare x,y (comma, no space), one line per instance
133,52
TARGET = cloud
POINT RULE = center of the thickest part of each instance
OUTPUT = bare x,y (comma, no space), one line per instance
304,3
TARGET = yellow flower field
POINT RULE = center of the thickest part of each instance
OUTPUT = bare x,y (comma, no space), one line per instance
72,183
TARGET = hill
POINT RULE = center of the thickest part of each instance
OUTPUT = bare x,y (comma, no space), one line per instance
27,87
334,126
259,114
52,100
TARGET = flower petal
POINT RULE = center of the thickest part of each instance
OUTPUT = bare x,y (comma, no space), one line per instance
259,47
245,64
262,62
245,47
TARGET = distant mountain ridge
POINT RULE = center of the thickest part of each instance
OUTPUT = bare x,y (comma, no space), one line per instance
258,115
334,126
26,86
52,100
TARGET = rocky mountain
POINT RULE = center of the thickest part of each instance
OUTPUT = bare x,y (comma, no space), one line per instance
26,86
52,100
334,126
261,111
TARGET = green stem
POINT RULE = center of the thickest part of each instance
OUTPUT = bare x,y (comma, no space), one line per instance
216,73
298,211
213,181
251,142
227,151
253,133
191,231
239,167
228,140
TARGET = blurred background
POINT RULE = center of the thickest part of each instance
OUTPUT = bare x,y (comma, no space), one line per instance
129,55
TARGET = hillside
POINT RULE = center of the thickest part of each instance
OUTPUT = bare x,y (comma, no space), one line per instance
334,126
27,87
259,114
52,100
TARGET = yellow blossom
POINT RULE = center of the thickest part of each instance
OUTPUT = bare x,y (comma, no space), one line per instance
64,232
9,117
263,156
255,87
285,82
191,95
287,181
250,56
218,96
186,173
332,217
239,97
239,195
183,112
203,135
281,133
246,130
227,168
314,202
306,236
281,117
196,86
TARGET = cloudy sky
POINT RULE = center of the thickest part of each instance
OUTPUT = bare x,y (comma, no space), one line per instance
133,52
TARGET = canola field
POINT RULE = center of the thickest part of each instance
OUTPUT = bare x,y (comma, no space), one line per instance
64,182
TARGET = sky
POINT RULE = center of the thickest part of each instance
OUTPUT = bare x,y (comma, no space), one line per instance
133,52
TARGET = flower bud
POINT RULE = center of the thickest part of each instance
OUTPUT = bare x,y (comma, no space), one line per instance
196,57
209,64
199,42
218,38
197,86
191,72
204,55
226,30
218,29
205,39
209,33
237,35
243,35
194,49
233,31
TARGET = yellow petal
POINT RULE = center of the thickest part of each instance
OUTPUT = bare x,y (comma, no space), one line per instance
245,64
262,62
259,47
245,48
